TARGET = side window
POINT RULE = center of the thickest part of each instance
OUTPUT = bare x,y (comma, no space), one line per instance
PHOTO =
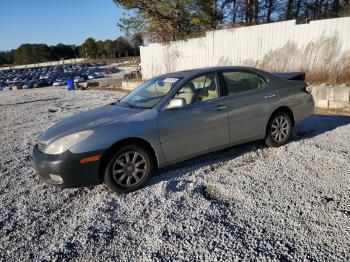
239,81
199,89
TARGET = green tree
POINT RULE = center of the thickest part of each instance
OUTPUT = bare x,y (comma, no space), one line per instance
6,58
61,51
76,51
122,47
130,24
3,58
89,48
136,42
23,54
101,52
166,20
110,49
32,53
40,53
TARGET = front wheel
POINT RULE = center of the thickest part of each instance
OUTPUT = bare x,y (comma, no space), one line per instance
278,130
128,169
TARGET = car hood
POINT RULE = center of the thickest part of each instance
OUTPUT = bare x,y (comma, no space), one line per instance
87,120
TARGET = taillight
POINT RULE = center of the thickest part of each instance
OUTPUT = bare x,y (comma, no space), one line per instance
308,89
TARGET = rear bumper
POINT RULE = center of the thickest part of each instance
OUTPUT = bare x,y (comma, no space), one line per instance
65,170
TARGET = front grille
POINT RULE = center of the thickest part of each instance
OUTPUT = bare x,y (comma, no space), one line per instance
41,147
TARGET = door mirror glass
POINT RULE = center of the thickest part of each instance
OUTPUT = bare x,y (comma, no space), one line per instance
176,103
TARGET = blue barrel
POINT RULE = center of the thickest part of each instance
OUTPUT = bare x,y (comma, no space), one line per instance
70,84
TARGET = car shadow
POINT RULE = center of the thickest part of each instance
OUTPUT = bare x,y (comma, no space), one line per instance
313,126
318,124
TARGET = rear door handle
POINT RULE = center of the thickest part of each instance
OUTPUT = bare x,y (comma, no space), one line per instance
269,96
220,107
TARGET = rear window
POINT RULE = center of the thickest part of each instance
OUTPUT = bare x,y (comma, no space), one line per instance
240,81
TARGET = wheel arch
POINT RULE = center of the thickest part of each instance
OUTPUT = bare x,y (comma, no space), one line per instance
131,140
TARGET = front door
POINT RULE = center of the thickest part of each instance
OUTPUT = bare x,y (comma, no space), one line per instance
200,126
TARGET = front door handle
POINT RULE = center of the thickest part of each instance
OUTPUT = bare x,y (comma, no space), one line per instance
220,107
269,96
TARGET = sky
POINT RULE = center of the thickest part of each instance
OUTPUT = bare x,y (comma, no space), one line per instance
57,21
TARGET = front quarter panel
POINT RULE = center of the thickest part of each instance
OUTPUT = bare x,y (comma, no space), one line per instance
141,125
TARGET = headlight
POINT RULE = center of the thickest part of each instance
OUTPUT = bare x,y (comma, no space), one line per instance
62,144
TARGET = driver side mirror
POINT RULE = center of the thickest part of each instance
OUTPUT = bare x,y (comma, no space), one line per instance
176,103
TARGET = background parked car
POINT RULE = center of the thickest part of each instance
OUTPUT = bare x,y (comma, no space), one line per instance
52,75
29,84
59,82
132,75
80,78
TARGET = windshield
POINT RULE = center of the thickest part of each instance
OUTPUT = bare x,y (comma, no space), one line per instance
149,94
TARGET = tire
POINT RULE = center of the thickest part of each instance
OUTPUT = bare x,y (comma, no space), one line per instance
279,129
124,173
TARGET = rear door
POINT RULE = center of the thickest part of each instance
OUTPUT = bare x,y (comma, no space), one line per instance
250,100
200,126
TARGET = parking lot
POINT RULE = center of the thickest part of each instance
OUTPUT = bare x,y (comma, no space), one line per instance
37,77
247,202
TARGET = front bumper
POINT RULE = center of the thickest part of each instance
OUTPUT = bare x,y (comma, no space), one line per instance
68,167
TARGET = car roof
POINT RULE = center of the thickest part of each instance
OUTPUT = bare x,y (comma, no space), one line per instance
186,73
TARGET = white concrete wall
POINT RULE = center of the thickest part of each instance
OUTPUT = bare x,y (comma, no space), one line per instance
332,97
52,63
319,45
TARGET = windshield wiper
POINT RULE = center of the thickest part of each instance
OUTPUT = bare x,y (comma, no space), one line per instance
128,104
134,106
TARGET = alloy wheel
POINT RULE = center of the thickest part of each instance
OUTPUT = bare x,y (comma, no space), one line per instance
129,168
279,129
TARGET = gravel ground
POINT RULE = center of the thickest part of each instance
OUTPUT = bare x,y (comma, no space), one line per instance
248,202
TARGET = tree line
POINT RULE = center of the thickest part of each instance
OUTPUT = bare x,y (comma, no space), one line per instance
36,53
167,20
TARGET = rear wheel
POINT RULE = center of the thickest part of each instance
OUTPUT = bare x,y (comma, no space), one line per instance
279,129
128,169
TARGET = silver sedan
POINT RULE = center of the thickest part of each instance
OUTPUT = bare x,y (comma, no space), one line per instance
168,119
